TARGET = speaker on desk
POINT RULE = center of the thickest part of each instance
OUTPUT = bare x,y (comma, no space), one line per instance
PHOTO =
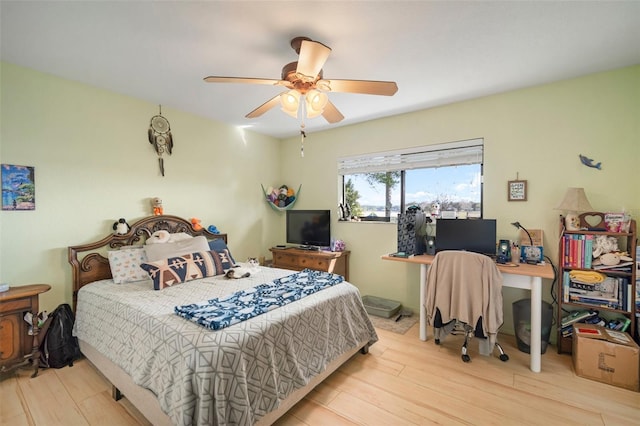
504,251
431,245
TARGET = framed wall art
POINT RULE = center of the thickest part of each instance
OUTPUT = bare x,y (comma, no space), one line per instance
517,190
18,187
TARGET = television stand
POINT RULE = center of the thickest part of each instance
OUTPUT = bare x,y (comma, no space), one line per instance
298,259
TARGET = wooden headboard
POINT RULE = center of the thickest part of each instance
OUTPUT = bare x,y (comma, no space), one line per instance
94,266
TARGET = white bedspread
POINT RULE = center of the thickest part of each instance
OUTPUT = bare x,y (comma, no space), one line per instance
230,376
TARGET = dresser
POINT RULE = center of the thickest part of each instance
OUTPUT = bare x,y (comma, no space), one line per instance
17,347
298,259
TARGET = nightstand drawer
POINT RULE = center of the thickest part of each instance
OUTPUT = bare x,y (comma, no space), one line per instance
283,260
15,305
314,263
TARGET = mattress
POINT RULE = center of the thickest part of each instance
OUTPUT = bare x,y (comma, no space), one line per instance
231,376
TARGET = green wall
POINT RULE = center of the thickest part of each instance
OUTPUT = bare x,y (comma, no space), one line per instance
535,133
93,165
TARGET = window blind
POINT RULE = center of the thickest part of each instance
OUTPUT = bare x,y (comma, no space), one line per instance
446,154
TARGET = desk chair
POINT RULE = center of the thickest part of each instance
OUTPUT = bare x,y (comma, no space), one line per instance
464,293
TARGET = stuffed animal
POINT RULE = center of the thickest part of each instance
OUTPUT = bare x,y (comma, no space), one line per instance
213,229
162,236
282,196
435,209
195,223
604,244
121,226
159,237
610,259
156,203
338,245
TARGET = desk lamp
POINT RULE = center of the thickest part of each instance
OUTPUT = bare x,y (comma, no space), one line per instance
530,254
517,225
574,202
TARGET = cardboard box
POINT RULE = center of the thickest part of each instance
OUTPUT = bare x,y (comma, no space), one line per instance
605,355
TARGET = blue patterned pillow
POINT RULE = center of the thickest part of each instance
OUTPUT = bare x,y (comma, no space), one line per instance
221,248
179,269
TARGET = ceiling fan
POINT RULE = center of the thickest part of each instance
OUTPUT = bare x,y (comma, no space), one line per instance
304,80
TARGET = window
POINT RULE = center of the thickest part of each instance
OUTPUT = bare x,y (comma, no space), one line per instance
444,180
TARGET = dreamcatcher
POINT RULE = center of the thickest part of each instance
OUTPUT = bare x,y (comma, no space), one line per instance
160,137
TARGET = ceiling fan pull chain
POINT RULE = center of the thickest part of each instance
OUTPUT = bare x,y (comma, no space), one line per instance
303,135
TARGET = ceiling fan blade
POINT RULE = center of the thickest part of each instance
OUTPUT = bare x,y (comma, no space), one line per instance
264,107
246,80
369,87
331,113
312,57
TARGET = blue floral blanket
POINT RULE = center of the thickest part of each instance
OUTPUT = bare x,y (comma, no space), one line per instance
223,312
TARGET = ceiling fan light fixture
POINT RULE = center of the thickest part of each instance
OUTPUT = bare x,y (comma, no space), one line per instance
315,101
305,78
290,101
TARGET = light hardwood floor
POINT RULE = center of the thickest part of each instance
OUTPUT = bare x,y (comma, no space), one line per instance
402,381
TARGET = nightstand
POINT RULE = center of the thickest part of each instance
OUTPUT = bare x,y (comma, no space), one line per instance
17,347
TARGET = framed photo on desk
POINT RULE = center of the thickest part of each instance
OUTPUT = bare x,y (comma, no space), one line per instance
517,190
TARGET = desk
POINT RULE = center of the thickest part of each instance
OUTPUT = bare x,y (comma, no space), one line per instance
528,277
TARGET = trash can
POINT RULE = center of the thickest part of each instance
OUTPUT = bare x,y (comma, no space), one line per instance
522,324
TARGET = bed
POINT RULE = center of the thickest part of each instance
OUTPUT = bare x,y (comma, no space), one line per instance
175,371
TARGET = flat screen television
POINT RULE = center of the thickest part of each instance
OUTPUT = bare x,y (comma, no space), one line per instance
476,235
309,228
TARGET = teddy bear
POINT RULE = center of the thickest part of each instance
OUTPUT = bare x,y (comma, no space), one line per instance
195,223
156,204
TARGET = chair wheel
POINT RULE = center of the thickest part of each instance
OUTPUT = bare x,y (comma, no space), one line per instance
504,357
437,341
466,358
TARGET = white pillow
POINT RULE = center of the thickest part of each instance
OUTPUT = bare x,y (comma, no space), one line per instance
125,265
157,252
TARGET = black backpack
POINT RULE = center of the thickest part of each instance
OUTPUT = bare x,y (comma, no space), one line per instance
58,347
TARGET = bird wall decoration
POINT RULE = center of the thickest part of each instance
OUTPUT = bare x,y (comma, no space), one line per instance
160,137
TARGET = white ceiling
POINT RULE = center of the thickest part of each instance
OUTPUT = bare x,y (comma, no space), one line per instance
437,52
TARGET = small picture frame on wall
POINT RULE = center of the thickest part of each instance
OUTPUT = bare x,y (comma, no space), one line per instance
517,190
18,187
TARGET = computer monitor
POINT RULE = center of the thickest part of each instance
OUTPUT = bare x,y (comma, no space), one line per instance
476,235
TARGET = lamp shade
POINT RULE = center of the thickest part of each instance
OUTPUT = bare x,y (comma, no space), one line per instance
575,200
290,101
315,101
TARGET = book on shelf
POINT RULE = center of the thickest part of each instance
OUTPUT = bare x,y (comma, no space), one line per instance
577,250
612,292
576,316
597,301
622,266
588,317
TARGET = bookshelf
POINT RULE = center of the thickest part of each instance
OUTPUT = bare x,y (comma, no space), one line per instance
589,290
